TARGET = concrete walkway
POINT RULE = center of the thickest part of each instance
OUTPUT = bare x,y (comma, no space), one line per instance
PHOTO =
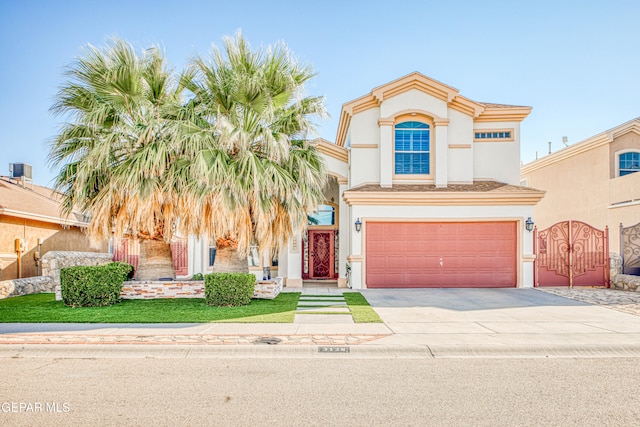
417,323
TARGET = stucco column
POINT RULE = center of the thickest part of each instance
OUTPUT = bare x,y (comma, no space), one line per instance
386,152
198,258
293,267
343,236
355,258
441,148
528,257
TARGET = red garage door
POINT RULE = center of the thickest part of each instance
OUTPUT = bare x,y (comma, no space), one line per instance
441,255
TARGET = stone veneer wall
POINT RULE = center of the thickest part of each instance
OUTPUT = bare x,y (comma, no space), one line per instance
26,286
53,261
159,289
625,282
268,289
615,264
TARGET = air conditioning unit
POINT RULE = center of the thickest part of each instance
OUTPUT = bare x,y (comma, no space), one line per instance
19,170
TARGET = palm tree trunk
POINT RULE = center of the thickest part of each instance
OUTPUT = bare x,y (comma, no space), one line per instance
228,260
155,260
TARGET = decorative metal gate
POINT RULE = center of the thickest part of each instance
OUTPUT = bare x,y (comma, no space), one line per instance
128,250
571,253
180,256
630,249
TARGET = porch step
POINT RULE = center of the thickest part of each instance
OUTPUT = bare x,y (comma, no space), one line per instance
319,283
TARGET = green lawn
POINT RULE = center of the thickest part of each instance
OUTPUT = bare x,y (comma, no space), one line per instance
360,309
43,308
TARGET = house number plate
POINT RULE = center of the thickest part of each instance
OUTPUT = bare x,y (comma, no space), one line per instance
325,349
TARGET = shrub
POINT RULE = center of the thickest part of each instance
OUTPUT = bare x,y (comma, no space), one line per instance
197,276
128,270
92,286
229,289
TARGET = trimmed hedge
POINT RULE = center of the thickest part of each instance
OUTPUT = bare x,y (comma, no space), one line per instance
229,289
93,286
128,270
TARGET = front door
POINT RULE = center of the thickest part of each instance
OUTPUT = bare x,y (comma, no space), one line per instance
321,254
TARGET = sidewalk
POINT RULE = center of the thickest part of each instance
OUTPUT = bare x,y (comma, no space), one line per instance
417,323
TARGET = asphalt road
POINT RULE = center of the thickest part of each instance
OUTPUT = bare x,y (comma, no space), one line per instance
313,391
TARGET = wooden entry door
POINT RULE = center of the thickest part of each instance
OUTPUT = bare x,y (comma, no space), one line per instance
321,254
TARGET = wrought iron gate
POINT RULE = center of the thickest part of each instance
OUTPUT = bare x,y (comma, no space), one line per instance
128,250
630,249
571,253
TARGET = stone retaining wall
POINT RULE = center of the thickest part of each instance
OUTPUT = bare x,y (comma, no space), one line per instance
155,289
53,261
26,286
184,289
625,282
268,289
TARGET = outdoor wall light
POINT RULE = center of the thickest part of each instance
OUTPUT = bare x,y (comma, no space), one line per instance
529,224
358,225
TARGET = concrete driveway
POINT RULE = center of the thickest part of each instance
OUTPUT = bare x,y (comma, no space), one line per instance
522,319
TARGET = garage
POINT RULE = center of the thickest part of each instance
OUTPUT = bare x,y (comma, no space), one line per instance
441,254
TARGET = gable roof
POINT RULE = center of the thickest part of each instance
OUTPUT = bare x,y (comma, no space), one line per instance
595,141
478,110
34,202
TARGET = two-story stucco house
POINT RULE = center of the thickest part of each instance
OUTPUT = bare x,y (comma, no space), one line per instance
424,192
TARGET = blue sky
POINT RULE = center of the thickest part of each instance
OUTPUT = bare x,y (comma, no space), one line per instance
575,62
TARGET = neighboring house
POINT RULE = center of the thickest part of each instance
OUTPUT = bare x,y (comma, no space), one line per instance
423,192
31,225
593,181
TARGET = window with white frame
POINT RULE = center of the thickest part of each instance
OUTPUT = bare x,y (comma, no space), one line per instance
628,163
412,148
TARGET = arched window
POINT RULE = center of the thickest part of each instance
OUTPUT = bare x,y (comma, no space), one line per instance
412,145
629,163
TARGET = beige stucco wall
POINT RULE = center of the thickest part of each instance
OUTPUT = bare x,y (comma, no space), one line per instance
583,187
577,188
455,157
460,160
413,100
499,161
627,142
364,161
54,238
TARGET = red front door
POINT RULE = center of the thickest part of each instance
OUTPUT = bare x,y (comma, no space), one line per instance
321,254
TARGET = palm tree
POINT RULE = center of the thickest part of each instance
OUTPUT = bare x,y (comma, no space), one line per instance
266,175
231,161
119,148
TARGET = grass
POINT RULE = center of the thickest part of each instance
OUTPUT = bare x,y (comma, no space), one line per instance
360,308
43,308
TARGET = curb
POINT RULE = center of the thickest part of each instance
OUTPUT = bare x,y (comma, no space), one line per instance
260,351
